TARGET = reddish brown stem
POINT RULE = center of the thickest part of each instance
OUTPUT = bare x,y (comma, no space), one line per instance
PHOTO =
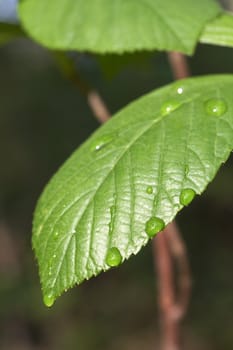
179,253
97,106
169,251
179,65
95,102
169,325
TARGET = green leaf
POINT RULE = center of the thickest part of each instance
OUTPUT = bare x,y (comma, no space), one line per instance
9,32
130,178
117,26
219,31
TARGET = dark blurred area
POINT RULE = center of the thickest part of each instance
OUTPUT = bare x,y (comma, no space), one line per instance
43,118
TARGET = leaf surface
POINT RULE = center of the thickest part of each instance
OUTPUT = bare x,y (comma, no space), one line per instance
147,162
117,26
219,31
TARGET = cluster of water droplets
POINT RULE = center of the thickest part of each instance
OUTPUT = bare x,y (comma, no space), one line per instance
212,107
173,103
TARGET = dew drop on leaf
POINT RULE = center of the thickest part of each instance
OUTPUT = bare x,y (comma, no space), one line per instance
101,142
169,106
186,196
180,90
149,189
215,107
113,257
49,300
154,225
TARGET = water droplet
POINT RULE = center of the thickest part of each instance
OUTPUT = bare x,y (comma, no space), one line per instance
113,257
154,225
179,87
186,196
215,107
149,189
180,90
49,300
102,142
169,106
54,256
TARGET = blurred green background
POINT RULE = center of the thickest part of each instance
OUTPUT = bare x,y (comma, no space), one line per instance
43,118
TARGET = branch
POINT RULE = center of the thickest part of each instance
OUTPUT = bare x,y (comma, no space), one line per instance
179,65
169,251
97,106
178,250
95,102
169,326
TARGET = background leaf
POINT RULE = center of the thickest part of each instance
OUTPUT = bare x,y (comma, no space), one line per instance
133,169
219,31
117,26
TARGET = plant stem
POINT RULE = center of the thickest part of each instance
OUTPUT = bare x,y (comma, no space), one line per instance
97,106
170,332
95,102
169,251
179,65
179,253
